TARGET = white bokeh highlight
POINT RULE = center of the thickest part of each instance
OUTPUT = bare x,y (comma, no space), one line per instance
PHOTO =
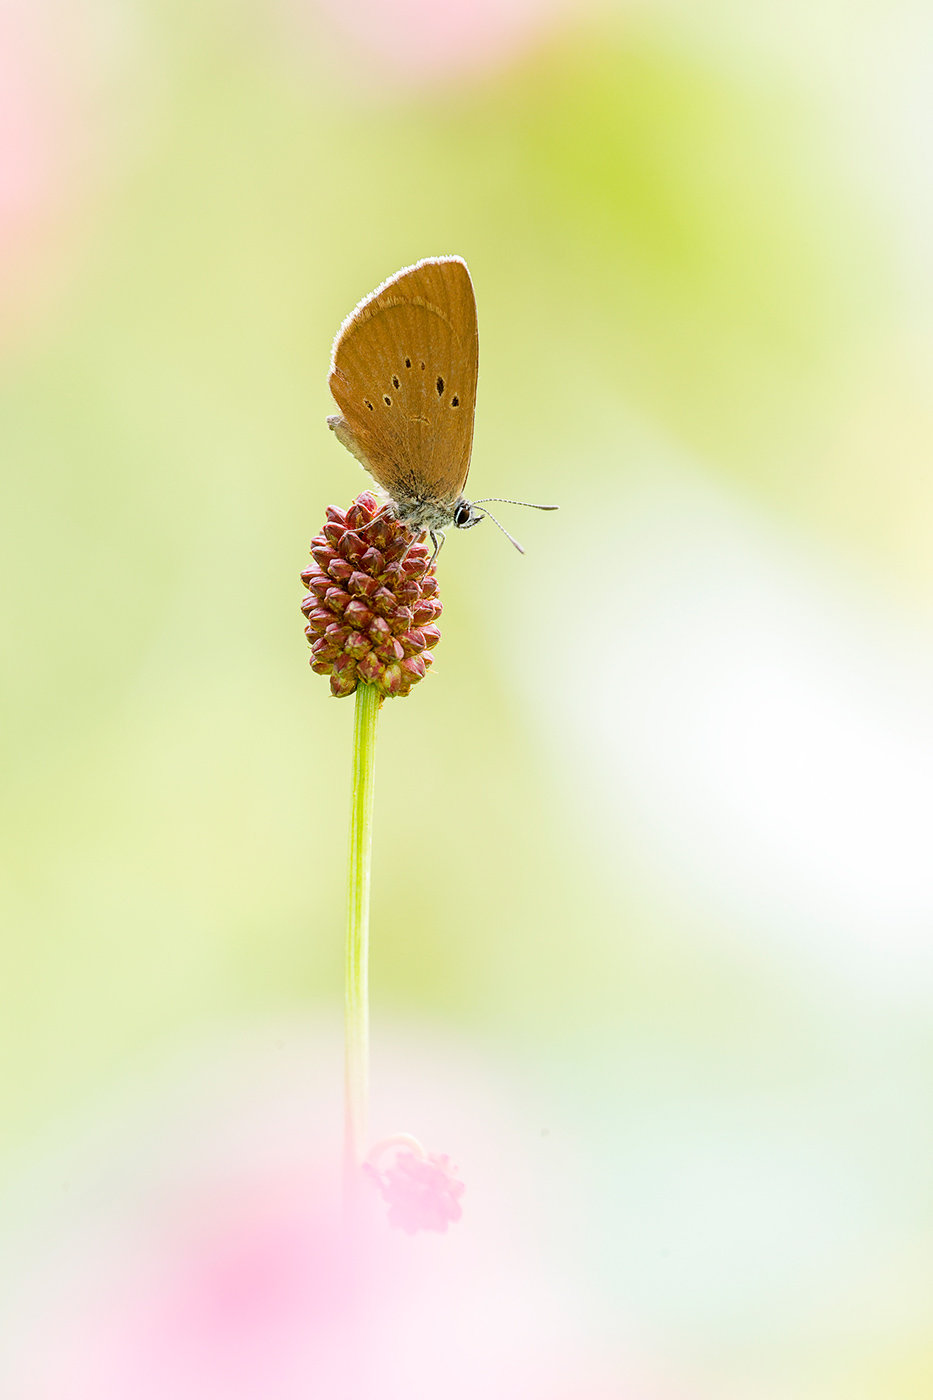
760,724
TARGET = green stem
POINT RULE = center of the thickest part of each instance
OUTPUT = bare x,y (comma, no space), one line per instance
356,1048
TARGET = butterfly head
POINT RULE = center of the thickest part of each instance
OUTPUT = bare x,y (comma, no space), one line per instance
465,515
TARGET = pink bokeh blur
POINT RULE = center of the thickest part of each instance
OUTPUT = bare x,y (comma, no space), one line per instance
422,41
70,95
193,1247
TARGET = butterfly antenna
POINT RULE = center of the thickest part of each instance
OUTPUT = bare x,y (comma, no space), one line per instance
532,505
501,526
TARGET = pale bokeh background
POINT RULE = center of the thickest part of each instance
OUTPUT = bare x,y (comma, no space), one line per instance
653,902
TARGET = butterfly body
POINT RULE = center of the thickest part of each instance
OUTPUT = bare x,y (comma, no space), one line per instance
416,507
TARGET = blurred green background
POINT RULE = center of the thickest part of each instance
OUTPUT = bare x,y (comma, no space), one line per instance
700,248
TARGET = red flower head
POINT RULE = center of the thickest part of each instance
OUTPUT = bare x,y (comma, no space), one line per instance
372,602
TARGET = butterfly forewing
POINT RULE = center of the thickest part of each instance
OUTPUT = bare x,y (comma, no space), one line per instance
404,376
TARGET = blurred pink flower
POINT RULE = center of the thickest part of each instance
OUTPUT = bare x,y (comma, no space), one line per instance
64,114
424,39
199,1252
32,129
422,1192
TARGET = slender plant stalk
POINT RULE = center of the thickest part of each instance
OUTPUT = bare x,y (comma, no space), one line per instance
356,1048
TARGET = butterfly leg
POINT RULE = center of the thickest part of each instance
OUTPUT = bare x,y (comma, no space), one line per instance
415,539
437,539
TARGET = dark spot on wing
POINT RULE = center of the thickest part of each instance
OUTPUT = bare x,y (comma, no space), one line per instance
440,386
455,402
407,362
387,401
368,405
395,381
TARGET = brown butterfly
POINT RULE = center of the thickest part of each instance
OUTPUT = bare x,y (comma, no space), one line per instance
403,374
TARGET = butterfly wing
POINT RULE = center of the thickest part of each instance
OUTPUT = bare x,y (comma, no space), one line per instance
403,374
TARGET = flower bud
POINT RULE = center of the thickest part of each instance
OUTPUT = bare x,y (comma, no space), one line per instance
357,615
337,600
412,642
370,668
373,562
357,645
425,611
343,675
351,546
362,585
339,570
